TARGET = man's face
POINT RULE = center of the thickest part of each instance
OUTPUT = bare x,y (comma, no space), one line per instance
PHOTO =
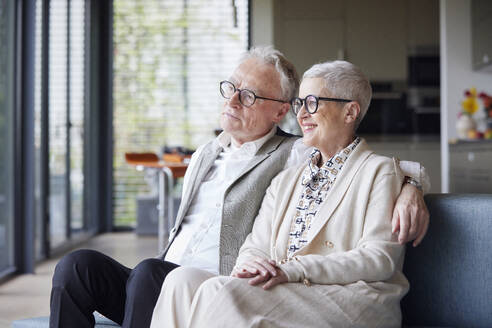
246,124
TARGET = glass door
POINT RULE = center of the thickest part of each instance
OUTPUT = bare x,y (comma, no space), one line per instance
62,121
66,119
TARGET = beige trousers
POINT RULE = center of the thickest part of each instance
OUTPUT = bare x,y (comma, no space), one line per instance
193,298
175,305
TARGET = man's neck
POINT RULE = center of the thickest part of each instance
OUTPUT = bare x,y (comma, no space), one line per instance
238,142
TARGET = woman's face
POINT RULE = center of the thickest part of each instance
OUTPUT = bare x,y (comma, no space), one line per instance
324,128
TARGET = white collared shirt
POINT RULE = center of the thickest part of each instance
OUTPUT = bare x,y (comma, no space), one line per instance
197,243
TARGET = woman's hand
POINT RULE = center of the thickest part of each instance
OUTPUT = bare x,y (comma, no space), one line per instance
255,267
261,271
279,278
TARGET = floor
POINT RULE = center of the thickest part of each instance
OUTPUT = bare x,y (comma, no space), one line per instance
28,295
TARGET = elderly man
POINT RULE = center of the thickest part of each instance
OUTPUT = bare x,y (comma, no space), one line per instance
223,189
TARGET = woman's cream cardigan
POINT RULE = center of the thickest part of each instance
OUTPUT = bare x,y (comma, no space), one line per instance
351,246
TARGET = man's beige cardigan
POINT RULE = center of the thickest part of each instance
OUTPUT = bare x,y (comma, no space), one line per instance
349,274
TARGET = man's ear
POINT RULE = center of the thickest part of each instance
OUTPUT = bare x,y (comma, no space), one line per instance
281,112
352,111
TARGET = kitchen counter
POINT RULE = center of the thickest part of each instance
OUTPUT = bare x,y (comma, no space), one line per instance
425,149
413,138
471,142
470,164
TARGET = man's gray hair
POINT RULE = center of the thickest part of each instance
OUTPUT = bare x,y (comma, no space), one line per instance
344,80
289,79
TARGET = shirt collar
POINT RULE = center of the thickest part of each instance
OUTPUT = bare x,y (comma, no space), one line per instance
316,157
250,147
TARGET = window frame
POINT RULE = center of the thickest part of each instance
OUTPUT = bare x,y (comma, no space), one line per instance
97,136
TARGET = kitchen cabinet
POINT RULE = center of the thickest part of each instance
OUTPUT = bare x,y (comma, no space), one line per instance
470,166
481,12
375,35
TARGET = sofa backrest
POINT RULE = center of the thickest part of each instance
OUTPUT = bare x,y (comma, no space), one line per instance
450,273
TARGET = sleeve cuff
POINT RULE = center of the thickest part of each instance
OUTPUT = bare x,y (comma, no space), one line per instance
417,172
293,270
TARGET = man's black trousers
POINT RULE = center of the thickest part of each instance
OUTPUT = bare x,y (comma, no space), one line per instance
86,281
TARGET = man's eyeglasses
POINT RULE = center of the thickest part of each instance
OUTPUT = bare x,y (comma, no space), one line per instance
246,97
311,103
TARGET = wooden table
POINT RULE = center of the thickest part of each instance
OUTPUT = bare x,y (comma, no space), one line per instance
170,167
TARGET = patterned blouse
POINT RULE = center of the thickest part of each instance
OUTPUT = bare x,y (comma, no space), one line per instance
316,182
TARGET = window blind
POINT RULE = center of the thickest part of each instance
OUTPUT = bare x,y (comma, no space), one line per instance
169,57
77,108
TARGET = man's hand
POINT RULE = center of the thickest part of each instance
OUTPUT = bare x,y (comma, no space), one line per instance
410,215
261,271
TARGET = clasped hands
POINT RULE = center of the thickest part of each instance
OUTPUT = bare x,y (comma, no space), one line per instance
261,271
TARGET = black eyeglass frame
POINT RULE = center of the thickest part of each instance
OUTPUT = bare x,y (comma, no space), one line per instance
303,101
245,90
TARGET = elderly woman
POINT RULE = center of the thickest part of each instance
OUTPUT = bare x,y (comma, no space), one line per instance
321,252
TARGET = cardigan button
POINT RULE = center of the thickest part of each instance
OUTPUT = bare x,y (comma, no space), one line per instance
329,244
306,283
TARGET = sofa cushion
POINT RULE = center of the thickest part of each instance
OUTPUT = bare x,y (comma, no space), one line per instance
450,272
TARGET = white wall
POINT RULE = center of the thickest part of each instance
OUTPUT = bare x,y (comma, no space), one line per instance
457,74
261,22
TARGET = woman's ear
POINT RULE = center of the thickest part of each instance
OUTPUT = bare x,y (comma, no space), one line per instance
352,111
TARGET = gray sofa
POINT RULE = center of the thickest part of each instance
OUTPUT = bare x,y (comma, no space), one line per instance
450,273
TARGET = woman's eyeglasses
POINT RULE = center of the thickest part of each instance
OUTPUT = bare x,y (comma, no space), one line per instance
311,103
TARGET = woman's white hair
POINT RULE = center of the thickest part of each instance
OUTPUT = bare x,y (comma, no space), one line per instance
289,79
344,80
